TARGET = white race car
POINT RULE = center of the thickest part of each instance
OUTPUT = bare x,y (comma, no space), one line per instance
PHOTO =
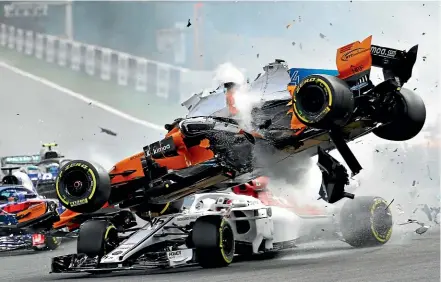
214,227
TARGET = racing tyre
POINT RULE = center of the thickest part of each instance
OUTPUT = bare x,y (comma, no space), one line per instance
97,238
410,120
82,187
323,102
366,221
213,239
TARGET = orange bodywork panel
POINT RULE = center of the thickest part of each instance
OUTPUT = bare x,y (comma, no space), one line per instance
354,58
231,102
34,210
296,124
67,219
185,157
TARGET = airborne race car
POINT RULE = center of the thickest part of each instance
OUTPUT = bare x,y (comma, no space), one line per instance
211,153
250,220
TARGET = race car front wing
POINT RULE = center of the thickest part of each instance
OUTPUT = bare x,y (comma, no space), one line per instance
75,263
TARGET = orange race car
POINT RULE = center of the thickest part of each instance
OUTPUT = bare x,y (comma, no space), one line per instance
209,152
28,220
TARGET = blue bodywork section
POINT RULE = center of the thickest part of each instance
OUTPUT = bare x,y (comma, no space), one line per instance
297,74
15,194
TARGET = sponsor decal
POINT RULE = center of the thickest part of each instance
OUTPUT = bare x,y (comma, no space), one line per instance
160,148
346,48
187,218
356,69
174,254
383,52
352,53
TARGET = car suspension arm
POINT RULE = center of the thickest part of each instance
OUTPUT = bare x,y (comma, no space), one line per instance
344,150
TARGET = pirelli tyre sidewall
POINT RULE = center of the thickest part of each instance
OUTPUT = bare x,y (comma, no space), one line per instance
366,221
323,101
97,238
92,184
213,238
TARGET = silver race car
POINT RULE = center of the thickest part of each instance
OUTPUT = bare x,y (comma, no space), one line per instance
212,228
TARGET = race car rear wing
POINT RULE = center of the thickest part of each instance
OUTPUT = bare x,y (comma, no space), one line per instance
354,62
20,160
395,63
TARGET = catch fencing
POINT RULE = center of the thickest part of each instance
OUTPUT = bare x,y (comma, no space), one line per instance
168,82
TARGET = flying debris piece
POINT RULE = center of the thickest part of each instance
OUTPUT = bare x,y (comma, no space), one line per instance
330,24
422,229
424,33
301,47
189,23
400,209
322,36
424,58
395,150
288,26
427,211
389,204
108,131
413,183
293,43
428,172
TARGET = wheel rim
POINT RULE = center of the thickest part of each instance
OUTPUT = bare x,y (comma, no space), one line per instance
312,99
382,221
227,240
111,241
76,183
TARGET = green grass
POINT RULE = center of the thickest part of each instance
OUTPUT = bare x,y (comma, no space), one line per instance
142,105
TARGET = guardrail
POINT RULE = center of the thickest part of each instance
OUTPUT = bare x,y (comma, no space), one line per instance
163,80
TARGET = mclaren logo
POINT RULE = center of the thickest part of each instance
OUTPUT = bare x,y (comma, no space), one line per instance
348,55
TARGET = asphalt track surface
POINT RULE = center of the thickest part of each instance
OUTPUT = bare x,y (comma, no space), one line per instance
32,112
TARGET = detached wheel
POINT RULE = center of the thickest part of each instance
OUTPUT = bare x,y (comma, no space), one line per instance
82,187
366,221
323,101
213,239
408,122
97,238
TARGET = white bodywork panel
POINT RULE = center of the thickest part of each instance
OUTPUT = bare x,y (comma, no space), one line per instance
271,85
270,224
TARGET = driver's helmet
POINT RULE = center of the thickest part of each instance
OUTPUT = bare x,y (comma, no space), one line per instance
53,169
205,204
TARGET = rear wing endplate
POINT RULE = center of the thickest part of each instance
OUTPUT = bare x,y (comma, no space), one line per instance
354,62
